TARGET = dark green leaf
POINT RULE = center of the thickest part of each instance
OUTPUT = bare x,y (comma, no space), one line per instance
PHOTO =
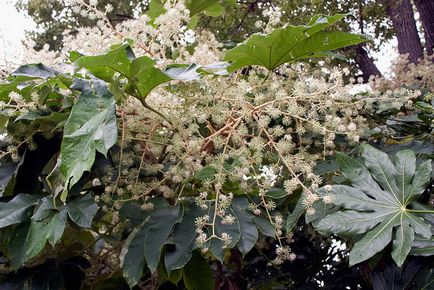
8,171
264,226
365,208
160,226
402,243
183,240
82,210
197,274
132,211
29,241
145,76
293,218
217,246
133,255
249,232
17,210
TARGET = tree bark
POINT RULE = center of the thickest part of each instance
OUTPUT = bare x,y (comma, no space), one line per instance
401,14
426,12
365,63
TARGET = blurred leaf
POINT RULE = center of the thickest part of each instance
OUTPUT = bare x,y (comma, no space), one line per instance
197,274
35,71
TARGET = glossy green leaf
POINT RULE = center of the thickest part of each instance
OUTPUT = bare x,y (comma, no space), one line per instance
116,60
17,245
292,220
82,210
291,43
132,211
44,208
197,274
18,209
140,72
29,241
382,169
423,246
91,127
374,241
205,173
377,203
145,77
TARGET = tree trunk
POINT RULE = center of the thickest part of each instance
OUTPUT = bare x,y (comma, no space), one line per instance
401,14
426,12
365,63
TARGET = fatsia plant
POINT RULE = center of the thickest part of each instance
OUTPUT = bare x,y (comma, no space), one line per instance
379,204
176,197
292,43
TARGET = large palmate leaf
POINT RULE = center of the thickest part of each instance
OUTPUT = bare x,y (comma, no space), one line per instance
379,203
91,127
291,43
120,64
140,72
